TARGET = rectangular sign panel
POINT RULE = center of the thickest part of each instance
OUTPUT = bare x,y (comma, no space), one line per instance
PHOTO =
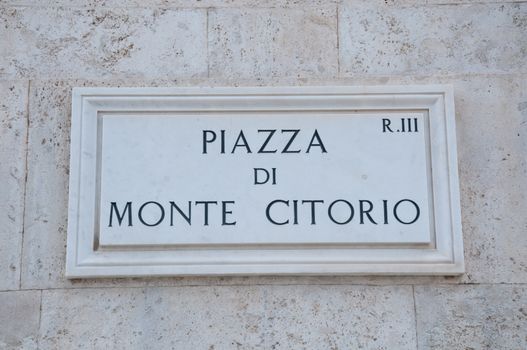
303,180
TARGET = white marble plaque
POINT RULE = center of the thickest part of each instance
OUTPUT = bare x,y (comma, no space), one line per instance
298,180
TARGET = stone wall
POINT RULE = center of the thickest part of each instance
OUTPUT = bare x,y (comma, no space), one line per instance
47,47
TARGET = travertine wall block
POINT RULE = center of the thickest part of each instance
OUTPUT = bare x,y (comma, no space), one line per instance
103,43
172,3
46,204
13,137
478,38
492,151
20,319
273,42
477,317
334,317
248,317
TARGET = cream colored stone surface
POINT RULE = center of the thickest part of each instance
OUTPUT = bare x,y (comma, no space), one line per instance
478,46
478,38
461,2
229,3
492,155
93,319
171,3
471,317
233,317
264,43
335,317
46,201
13,137
103,43
20,319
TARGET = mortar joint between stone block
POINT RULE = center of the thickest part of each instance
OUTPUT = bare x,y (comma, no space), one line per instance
415,318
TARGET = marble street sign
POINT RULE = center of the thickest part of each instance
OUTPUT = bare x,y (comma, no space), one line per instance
293,180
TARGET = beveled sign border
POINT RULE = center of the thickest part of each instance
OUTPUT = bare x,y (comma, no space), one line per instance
85,258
